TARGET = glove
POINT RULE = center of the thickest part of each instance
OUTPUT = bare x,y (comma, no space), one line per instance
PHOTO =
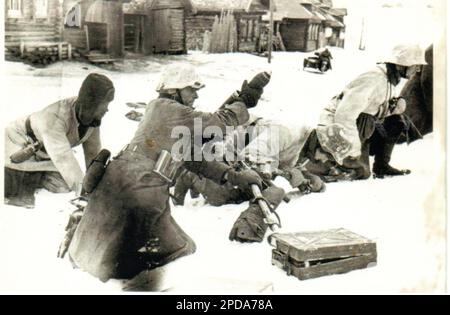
250,95
244,179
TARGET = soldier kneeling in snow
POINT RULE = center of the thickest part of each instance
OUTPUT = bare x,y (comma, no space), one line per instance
38,147
127,226
352,119
416,122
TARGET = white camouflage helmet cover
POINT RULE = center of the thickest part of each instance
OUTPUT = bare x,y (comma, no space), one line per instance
407,55
178,77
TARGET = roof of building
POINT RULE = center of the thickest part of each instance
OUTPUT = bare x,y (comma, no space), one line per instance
219,5
293,10
338,11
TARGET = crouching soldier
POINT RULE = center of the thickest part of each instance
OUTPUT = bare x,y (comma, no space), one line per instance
347,125
38,147
127,226
416,122
271,149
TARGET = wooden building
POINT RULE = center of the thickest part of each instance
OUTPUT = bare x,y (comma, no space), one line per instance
338,36
298,25
32,21
94,25
204,12
33,31
156,26
303,25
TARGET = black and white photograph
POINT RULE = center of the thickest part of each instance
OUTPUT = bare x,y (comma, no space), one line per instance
216,147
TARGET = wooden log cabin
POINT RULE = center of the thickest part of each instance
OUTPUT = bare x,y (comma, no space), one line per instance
33,31
248,22
156,26
32,21
303,25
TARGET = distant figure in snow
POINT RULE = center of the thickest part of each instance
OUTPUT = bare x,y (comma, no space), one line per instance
324,55
38,148
353,118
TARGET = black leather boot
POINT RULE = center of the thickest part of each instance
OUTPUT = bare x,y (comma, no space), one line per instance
381,167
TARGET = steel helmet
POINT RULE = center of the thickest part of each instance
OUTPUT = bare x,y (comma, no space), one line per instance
407,55
178,77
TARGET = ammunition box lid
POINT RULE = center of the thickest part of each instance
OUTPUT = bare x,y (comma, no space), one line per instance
309,246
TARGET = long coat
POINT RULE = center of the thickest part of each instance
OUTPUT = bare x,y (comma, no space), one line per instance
130,206
56,127
369,93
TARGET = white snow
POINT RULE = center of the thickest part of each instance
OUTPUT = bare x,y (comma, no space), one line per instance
404,215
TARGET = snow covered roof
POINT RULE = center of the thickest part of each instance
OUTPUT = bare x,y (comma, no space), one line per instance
330,20
338,11
219,5
97,12
142,6
293,10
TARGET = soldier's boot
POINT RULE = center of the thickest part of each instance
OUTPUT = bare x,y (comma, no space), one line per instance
250,225
182,186
316,184
20,187
359,168
168,242
381,167
194,192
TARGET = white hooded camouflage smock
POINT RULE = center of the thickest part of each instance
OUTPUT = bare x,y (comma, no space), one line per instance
369,93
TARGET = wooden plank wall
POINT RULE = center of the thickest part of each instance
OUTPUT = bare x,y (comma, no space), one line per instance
98,36
196,25
28,32
165,30
178,36
294,34
115,28
249,33
28,28
76,35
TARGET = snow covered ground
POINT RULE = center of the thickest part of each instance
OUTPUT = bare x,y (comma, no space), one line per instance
403,215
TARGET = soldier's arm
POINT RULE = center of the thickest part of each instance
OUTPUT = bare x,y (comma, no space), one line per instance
92,146
213,170
53,132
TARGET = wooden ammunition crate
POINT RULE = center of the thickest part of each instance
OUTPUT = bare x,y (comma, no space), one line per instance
309,255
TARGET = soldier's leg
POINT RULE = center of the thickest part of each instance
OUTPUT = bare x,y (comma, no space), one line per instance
54,182
20,187
163,241
183,183
250,225
219,195
382,146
